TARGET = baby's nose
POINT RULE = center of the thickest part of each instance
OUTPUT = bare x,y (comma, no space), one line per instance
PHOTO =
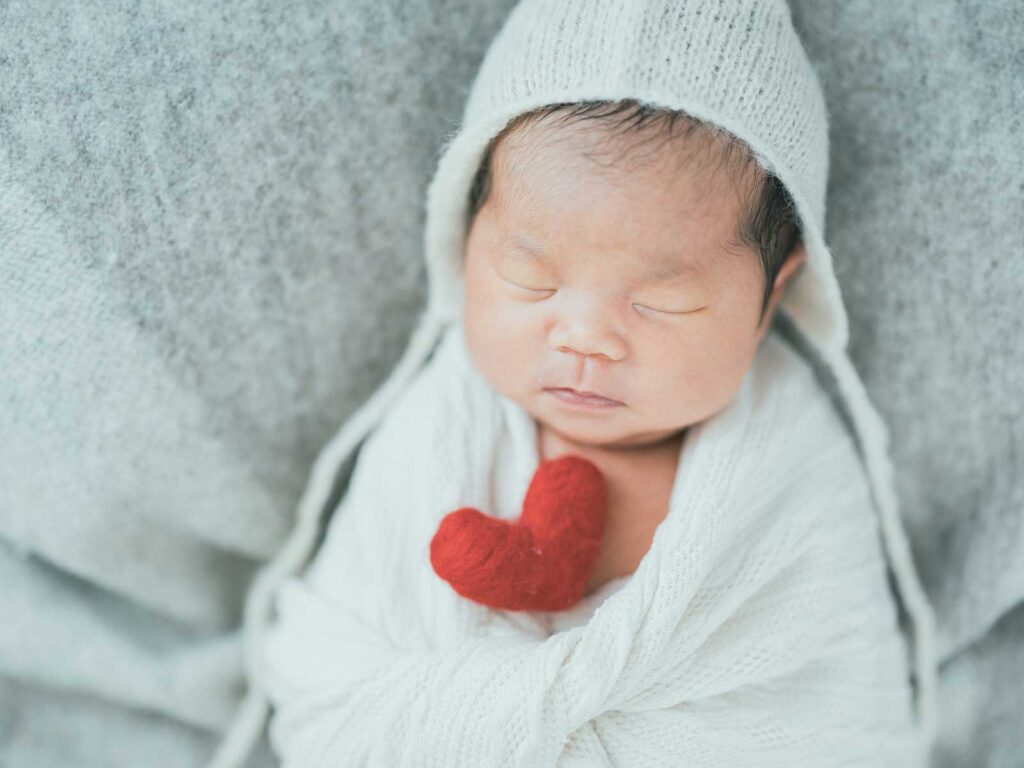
590,334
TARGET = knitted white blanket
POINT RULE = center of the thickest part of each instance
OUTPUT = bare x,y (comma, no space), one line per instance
758,630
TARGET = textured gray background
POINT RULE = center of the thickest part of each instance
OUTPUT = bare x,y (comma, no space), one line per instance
210,228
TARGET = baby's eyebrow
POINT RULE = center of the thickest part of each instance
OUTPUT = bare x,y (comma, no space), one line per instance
674,271
527,251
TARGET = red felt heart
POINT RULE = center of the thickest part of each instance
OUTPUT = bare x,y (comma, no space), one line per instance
538,562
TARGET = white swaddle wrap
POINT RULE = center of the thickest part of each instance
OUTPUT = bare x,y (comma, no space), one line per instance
758,630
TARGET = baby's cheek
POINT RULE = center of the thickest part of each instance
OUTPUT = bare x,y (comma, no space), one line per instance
679,387
496,342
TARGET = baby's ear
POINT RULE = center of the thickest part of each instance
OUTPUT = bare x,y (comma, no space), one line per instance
796,257
798,254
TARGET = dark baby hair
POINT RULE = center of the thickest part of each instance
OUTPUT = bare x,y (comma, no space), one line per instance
768,224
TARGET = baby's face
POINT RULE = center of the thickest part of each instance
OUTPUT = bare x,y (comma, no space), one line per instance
626,283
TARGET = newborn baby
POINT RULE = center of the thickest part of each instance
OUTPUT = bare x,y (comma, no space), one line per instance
622,266
624,244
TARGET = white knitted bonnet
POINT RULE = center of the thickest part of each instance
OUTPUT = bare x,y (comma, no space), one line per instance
737,64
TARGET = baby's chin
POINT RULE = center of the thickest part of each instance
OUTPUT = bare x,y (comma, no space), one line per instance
594,436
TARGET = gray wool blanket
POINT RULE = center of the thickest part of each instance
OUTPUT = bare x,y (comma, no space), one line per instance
210,232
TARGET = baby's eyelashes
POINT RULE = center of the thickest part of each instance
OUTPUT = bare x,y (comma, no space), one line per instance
642,307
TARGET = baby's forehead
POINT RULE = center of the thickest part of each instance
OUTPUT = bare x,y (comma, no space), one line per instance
684,149
581,190
697,166
670,135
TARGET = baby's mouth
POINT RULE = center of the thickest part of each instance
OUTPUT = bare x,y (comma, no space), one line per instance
590,399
